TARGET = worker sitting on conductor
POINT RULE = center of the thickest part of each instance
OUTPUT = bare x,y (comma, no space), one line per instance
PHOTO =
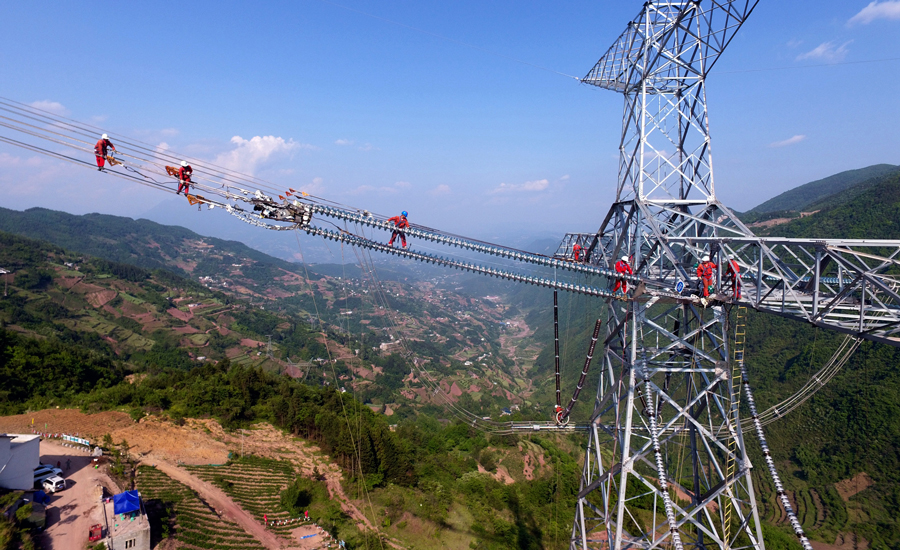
622,267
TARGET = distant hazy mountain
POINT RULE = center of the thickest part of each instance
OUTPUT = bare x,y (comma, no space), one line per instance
802,198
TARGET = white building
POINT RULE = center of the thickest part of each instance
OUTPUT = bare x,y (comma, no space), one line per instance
20,454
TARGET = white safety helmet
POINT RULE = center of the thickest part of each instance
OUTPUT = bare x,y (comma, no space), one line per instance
706,258
104,136
624,258
184,163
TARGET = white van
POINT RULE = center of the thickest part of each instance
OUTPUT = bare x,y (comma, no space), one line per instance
54,484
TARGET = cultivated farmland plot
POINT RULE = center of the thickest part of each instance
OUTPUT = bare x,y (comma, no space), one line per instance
255,485
196,525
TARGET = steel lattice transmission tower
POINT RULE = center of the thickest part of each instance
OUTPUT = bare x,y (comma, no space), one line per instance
666,463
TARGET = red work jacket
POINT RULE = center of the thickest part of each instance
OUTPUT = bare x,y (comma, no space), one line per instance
100,148
399,221
623,267
733,269
705,270
184,173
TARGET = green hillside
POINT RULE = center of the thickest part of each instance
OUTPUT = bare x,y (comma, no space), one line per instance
840,452
803,197
871,212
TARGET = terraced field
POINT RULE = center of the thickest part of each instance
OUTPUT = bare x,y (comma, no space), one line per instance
254,484
197,526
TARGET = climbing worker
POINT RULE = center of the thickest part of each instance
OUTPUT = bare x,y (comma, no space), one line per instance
733,276
100,150
576,252
622,267
705,272
184,177
399,222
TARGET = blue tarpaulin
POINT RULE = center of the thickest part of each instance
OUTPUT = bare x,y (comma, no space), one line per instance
41,497
127,502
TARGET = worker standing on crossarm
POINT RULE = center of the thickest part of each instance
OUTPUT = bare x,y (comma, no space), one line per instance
100,150
576,252
705,272
184,177
622,267
733,276
399,222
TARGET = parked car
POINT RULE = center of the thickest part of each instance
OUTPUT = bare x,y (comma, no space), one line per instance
54,484
56,470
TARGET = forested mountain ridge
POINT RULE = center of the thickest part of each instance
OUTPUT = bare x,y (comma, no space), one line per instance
805,197
871,212
839,452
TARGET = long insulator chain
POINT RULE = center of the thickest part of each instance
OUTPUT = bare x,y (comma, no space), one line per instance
364,219
660,466
563,416
474,268
773,473
556,347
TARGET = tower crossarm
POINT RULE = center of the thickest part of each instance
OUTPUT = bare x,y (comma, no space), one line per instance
847,285
668,43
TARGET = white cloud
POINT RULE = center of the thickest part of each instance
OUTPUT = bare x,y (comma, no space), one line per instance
790,141
54,107
528,186
12,161
827,51
889,9
249,154
368,147
403,184
344,142
441,190
794,43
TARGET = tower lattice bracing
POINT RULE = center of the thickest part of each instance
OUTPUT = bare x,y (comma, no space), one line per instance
666,463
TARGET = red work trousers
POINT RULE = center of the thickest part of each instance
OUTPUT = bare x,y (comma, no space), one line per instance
706,284
100,161
735,287
623,284
182,184
394,236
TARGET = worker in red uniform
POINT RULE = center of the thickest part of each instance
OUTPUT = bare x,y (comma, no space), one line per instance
622,267
705,271
576,252
399,222
184,177
100,150
733,276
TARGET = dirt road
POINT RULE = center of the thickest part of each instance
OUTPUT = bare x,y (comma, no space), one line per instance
220,501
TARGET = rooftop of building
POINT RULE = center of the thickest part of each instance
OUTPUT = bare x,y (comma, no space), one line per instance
121,525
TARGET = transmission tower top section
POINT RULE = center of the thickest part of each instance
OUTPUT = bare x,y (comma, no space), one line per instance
669,44
660,64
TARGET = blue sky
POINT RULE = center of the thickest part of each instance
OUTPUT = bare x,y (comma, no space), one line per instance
367,111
